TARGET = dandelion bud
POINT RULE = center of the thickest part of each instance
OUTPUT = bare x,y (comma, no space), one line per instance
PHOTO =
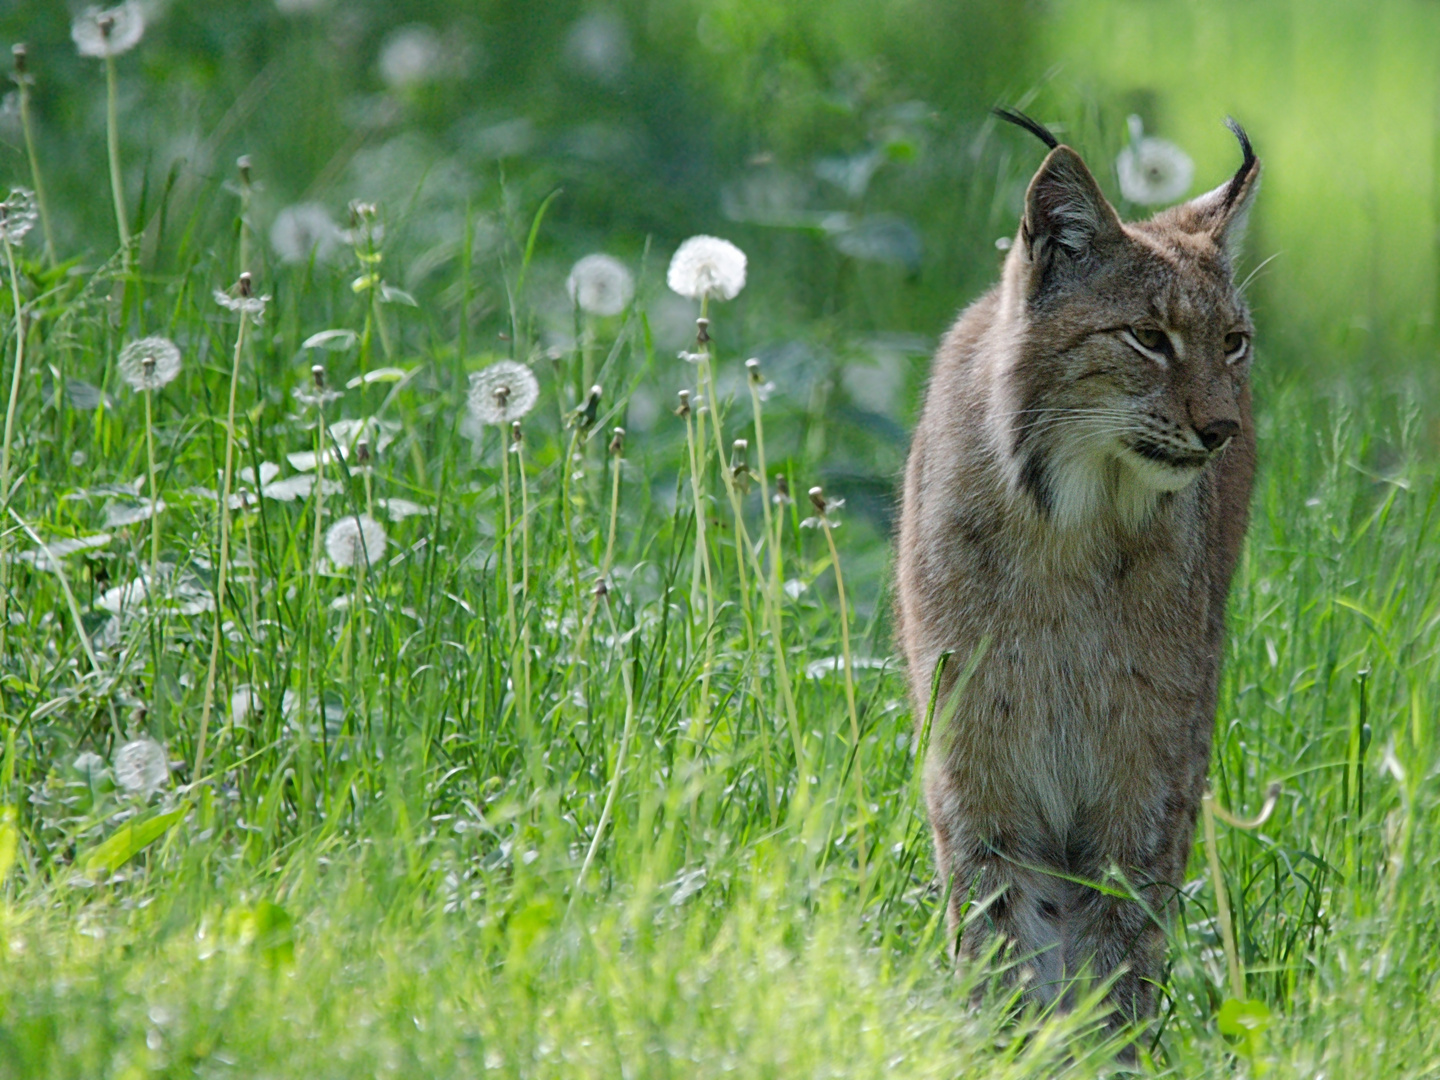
740,465
752,367
317,372
147,368
702,331
516,438
106,23
684,409
617,442
502,397
817,499
243,164
591,408
244,285
782,490
601,589
21,54
362,451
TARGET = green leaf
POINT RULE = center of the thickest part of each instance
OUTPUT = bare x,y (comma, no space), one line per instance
9,840
380,375
1243,1018
129,840
333,340
274,933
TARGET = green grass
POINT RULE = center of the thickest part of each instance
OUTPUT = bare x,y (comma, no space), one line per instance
393,861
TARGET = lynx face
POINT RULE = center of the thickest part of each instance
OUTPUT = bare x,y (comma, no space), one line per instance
1134,345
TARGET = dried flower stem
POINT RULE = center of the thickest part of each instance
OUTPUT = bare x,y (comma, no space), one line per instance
112,143
860,808
222,571
1210,810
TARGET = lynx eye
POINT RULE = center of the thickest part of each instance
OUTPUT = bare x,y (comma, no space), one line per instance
1149,341
1236,344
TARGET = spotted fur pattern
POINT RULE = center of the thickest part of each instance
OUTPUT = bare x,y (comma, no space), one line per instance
1075,500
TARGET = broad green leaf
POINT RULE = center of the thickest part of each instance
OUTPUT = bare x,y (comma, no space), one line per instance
129,840
334,340
379,375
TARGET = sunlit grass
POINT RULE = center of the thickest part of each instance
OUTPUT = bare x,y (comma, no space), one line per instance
562,751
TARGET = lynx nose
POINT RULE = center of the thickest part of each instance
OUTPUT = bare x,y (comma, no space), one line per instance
1217,433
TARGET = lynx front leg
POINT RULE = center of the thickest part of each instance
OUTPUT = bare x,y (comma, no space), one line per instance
993,895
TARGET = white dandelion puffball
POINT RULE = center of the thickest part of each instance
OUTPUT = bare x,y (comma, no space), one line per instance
254,306
503,392
108,32
303,230
707,266
17,215
411,55
164,363
355,539
1153,171
600,285
140,766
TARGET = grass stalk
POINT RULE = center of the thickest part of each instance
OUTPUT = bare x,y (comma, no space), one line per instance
222,569
861,810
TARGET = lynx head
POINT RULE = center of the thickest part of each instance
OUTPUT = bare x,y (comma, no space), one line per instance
1131,342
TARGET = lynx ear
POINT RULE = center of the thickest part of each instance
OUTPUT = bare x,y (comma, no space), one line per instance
1224,212
1067,217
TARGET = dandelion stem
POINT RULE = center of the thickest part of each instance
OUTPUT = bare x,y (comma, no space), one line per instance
154,493
702,549
222,571
860,809
775,607
10,429
509,553
35,180
112,142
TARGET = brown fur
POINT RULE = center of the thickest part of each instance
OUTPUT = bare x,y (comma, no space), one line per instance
1088,576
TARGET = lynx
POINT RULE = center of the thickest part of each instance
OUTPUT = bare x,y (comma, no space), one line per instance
1075,500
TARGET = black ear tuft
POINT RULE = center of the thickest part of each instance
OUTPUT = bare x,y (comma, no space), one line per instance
1019,119
1237,183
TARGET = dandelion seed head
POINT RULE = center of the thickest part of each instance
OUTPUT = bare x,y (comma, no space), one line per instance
18,215
707,266
501,393
149,363
411,55
304,230
102,32
1153,171
600,285
355,539
253,306
141,767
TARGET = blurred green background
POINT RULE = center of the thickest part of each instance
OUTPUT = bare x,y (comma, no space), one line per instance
845,145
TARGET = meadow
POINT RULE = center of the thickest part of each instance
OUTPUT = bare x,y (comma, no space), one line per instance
428,650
